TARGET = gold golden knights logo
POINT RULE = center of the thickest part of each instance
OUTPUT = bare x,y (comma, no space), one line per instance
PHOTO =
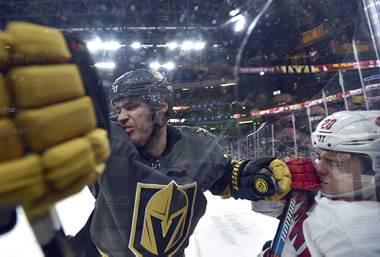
161,218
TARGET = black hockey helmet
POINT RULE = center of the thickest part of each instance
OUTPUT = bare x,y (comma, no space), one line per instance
148,85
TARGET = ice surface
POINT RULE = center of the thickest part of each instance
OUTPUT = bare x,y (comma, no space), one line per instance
229,228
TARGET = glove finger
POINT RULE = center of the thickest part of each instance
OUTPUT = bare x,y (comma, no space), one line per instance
6,41
66,152
24,194
37,86
99,142
284,188
20,169
74,170
279,169
36,44
11,144
75,187
21,179
20,183
68,161
285,185
43,126
4,96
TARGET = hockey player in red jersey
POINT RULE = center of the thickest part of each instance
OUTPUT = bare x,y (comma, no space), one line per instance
343,218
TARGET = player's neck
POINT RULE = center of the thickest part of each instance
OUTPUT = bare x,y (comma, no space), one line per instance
157,145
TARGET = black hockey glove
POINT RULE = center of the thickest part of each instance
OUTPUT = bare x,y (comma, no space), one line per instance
265,178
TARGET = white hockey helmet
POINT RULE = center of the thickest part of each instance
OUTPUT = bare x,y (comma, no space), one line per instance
352,132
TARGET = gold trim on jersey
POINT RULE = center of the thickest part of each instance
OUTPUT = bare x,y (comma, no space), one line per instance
101,253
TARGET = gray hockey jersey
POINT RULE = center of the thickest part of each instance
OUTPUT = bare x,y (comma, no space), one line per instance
151,207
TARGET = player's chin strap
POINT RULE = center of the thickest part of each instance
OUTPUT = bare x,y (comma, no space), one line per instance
366,193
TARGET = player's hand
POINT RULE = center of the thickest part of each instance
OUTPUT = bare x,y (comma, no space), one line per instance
304,175
51,144
265,178
282,175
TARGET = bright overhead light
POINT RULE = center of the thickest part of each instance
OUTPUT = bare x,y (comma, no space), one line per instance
97,44
172,45
187,45
199,45
234,12
262,73
154,65
169,65
111,45
228,84
136,45
246,122
240,21
105,65
94,45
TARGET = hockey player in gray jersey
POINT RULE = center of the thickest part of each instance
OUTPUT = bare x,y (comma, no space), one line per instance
150,198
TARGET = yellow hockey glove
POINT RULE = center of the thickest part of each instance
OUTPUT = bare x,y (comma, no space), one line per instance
53,137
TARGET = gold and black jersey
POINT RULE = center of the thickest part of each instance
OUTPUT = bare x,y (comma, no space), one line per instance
151,210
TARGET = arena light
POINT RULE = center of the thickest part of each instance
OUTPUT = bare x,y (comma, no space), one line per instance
234,12
111,45
97,44
172,45
136,45
177,120
94,45
168,65
154,65
240,22
199,45
187,45
105,65
246,122
228,84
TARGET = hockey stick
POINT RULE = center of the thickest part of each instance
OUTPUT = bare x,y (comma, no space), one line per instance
304,179
284,226
49,234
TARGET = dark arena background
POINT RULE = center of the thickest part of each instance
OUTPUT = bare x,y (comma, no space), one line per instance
259,74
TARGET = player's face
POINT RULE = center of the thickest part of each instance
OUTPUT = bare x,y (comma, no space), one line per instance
339,172
135,117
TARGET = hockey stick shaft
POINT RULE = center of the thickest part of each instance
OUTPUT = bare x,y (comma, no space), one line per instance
284,226
50,235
